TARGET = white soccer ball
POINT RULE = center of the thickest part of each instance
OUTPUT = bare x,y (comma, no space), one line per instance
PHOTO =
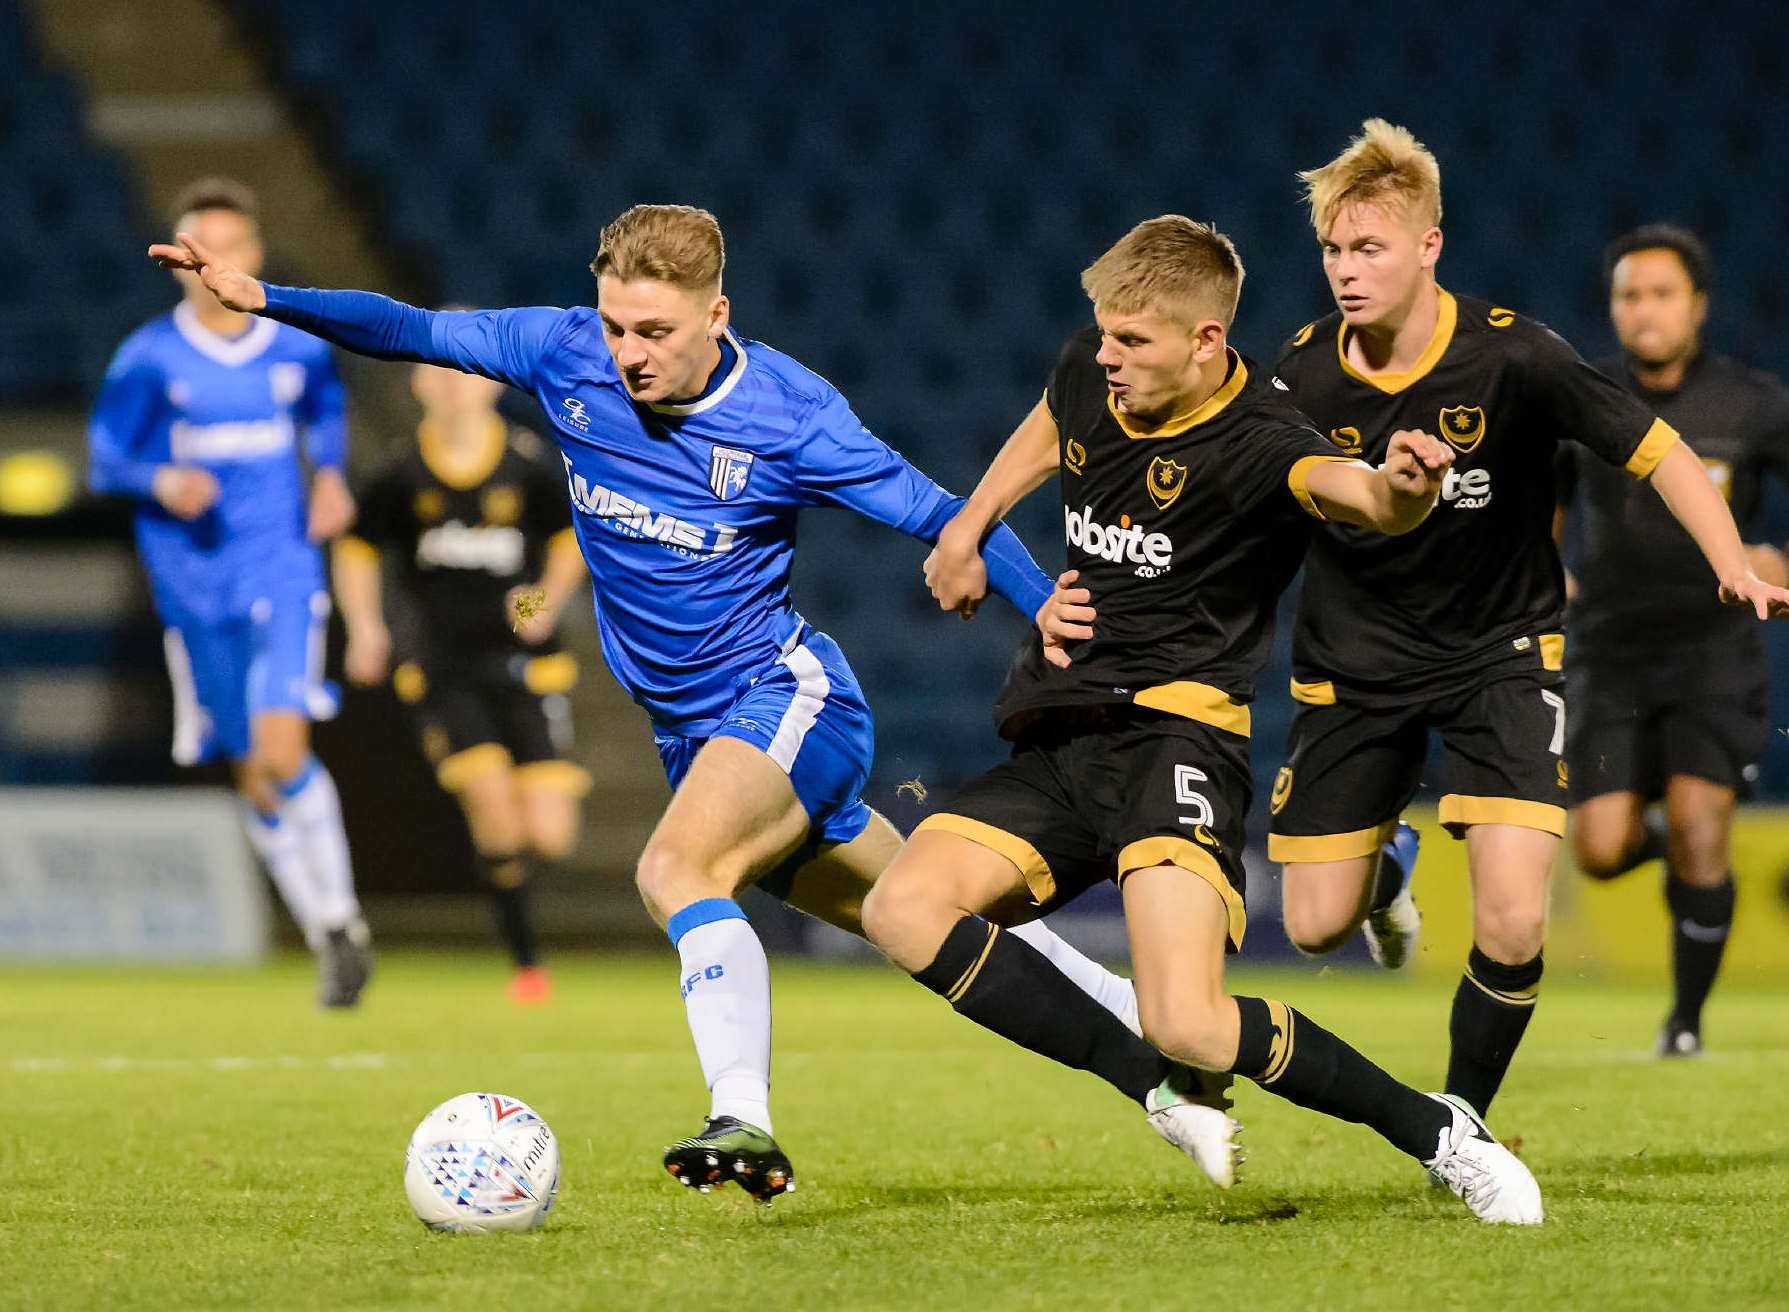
482,1161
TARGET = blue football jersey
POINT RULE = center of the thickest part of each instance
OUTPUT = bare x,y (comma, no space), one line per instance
177,393
686,512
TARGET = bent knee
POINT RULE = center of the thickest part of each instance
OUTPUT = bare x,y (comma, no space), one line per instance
1315,929
1600,856
906,920
1189,1031
1510,935
669,880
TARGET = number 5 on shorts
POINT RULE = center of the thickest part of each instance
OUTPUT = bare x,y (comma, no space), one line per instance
1185,776
1557,702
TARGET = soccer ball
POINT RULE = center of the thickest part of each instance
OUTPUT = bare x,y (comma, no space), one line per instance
482,1161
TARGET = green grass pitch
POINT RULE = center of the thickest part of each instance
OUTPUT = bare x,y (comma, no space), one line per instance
199,1139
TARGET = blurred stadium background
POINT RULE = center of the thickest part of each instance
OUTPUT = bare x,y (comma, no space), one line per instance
908,194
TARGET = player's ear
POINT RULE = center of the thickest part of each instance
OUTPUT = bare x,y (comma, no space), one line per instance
1698,310
719,315
1430,247
1208,340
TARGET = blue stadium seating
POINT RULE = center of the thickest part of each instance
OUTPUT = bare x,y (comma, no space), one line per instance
910,190
70,205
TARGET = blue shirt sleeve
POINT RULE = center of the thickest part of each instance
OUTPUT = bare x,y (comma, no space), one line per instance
841,463
322,409
124,416
507,345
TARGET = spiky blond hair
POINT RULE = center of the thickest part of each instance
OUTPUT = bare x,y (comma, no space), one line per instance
1184,270
678,244
1384,164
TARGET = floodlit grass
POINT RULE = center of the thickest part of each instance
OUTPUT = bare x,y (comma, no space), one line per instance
189,1138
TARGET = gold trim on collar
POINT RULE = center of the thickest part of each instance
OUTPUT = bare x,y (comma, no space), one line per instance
461,472
1446,319
1204,412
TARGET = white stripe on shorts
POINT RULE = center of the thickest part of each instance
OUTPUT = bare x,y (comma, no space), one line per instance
318,704
811,688
189,719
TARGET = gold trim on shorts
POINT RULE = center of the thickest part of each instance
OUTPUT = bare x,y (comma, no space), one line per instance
460,769
544,675
556,776
1291,849
1319,692
1170,849
1459,813
1032,866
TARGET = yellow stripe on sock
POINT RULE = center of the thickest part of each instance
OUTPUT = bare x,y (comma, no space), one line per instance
1523,999
961,987
1279,1052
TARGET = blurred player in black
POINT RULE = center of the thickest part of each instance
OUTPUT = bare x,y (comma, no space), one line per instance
1668,688
1189,485
1456,628
480,527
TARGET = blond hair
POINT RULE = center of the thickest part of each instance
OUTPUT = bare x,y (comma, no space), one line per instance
678,244
1182,269
1385,163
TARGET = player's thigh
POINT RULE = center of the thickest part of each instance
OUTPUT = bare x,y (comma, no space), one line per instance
1503,755
1510,865
279,742
1610,748
1604,830
289,629
1178,930
939,876
833,884
1350,770
734,816
1176,794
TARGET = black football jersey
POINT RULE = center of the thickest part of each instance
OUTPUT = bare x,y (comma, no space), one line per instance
1186,536
1479,582
1643,584
462,543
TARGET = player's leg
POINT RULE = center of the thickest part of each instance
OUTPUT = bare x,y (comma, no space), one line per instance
833,885
1611,745
1335,830
481,781
1506,791
1179,926
1707,748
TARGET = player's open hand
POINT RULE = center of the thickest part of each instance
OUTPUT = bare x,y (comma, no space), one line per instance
234,289
368,654
956,575
1066,617
332,506
1416,462
184,491
1767,601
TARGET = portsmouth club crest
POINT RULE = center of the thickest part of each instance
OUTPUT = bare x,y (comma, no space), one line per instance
1463,426
1166,479
728,471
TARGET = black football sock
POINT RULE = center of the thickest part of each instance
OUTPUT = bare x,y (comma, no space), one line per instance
1005,985
1387,882
1492,1007
1287,1053
507,877
1700,919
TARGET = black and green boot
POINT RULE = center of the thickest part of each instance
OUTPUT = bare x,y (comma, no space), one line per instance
729,1149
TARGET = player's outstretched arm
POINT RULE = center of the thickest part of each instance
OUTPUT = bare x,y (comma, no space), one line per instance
1683,483
1393,498
955,572
502,344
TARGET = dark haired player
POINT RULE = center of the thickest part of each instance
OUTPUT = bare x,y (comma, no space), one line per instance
1668,687
474,515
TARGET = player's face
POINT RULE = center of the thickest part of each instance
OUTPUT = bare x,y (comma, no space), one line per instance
662,337
1377,260
1656,309
448,394
230,236
1152,361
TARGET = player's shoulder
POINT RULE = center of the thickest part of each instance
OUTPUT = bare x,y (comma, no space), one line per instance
1079,349
574,343
1298,346
1732,372
1501,327
1265,400
783,377
145,343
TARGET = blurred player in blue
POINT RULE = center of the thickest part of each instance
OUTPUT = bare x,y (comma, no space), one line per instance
688,452
198,420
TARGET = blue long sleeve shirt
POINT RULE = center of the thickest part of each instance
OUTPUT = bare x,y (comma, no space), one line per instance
686,512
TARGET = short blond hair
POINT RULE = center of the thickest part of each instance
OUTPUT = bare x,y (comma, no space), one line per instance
677,244
1385,163
1171,265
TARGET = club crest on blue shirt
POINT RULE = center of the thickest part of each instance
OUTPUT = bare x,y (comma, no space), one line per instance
728,471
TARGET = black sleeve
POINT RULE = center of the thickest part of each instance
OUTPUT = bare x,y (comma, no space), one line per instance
1565,472
1275,459
384,516
1570,399
1070,373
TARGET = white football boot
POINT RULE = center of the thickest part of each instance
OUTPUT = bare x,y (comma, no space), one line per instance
1481,1172
1393,928
1191,1110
